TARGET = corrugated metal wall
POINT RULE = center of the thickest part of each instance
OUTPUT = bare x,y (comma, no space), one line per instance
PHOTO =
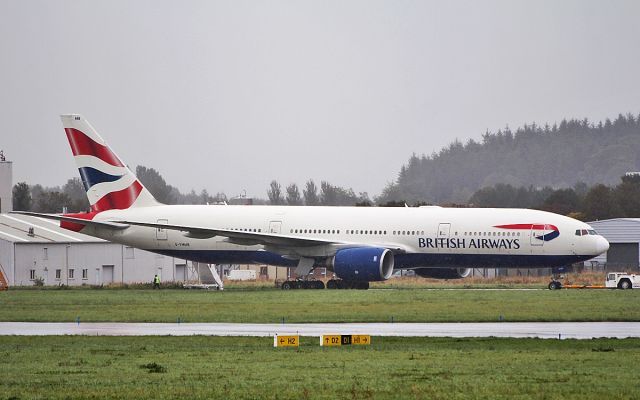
618,231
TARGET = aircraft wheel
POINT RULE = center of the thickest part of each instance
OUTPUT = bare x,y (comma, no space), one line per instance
625,284
553,285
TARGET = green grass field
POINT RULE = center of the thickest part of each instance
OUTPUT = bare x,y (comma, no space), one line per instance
270,306
250,368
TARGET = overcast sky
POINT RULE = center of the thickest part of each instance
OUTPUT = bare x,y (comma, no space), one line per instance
229,95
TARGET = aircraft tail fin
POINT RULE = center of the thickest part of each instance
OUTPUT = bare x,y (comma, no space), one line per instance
109,183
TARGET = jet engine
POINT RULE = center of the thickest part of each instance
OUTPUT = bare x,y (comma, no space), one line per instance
443,273
363,264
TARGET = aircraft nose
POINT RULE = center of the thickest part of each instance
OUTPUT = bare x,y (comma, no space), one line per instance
602,245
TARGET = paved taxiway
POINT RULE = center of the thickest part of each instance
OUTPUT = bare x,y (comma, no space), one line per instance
562,330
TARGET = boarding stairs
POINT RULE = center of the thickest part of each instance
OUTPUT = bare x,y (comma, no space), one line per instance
204,276
4,285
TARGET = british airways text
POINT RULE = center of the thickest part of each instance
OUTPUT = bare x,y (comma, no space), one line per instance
459,243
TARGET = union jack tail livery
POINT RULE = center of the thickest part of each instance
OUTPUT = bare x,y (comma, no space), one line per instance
109,183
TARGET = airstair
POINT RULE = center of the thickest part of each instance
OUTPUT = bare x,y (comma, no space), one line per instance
203,276
4,285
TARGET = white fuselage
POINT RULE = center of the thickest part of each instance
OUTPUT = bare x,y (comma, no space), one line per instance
422,236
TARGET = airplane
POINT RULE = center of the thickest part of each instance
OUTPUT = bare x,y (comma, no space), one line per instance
358,244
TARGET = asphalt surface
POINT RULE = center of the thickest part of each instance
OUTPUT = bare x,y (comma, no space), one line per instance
550,330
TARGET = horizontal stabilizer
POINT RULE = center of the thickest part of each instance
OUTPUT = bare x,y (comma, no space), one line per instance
74,220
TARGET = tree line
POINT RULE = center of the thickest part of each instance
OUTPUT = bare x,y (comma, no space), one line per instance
72,196
580,201
326,195
557,156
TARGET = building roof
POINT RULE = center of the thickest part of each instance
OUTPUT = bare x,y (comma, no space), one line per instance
614,220
618,230
15,228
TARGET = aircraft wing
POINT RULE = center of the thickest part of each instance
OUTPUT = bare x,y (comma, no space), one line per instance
80,221
255,238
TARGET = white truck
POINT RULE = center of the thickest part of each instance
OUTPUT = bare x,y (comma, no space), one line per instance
622,280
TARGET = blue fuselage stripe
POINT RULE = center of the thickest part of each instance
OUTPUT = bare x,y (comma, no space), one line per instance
402,261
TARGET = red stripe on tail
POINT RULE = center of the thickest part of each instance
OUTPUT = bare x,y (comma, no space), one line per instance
83,145
119,200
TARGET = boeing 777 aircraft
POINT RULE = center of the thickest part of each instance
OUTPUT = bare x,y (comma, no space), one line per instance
359,244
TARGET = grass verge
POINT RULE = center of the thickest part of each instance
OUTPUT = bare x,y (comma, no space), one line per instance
249,368
271,306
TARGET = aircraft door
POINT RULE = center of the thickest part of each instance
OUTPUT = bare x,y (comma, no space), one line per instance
537,230
444,230
161,234
275,226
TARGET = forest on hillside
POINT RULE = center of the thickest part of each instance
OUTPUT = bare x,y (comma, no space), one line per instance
558,156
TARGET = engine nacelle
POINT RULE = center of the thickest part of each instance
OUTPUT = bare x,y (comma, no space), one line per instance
363,264
443,273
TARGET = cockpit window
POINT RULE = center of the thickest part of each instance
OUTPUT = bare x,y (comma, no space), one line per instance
578,232
585,232
592,232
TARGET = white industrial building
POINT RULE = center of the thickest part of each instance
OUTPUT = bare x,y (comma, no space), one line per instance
33,249
623,235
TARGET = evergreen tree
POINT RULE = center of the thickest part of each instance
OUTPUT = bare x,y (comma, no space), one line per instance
155,183
293,195
76,193
599,203
275,194
51,202
563,201
21,197
627,196
310,194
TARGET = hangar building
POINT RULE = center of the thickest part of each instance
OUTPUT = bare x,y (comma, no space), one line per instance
35,249
623,235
